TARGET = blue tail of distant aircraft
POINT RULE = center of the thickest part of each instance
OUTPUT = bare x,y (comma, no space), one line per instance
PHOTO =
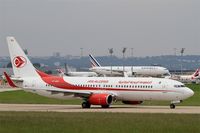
94,62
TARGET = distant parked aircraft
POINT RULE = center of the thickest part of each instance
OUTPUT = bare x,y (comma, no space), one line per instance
75,74
130,71
188,78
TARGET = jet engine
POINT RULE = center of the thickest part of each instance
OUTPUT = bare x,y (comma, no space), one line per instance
100,99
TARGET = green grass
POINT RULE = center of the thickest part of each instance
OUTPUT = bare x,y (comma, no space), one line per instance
21,97
49,122
194,100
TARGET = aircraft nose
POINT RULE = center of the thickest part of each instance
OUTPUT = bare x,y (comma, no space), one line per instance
189,92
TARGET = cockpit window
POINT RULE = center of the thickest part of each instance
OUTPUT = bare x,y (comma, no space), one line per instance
179,86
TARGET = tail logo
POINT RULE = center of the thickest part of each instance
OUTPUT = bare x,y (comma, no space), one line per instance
19,61
196,74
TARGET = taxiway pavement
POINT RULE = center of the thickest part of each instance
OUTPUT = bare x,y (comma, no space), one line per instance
112,109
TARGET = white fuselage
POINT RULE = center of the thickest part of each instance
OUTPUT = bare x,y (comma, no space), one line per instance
151,71
184,78
82,74
125,89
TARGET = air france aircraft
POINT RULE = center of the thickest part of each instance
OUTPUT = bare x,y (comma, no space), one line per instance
101,91
130,71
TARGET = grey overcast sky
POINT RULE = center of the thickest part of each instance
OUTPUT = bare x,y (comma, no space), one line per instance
151,27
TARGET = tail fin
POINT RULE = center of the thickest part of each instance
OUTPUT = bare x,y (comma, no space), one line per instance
94,62
66,69
196,74
10,82
22,67
61,72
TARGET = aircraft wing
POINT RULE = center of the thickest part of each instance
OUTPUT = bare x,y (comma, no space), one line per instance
123,73
119,71
69,92
81,94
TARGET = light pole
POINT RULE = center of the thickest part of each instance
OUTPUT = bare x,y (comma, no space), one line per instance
174,66
110,50
175,49
182,52
81,52
132,52
123,52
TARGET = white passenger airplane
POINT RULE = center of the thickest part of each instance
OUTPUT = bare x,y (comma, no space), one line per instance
130,71
187,78
94,90
75,74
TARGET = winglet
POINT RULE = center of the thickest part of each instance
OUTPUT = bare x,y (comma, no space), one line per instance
10,82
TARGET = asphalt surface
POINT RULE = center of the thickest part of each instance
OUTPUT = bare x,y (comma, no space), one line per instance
9,89
113,109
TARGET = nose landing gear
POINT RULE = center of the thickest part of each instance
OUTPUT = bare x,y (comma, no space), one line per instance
172,105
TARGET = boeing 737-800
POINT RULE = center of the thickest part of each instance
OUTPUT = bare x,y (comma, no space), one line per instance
130,71
94,90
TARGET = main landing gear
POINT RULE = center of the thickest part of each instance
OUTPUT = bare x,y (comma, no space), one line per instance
172,106
86,105
105,106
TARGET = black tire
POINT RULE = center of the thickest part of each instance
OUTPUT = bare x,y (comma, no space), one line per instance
172,106
86,105
105,106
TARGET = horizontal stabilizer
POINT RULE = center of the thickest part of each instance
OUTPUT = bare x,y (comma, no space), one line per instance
10,82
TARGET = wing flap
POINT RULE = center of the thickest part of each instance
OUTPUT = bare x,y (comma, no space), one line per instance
68,92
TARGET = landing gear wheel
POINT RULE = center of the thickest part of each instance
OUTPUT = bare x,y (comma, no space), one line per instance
86,105
105,106
172,106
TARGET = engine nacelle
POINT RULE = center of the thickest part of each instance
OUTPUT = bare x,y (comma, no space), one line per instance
100,99
131,74
132,102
